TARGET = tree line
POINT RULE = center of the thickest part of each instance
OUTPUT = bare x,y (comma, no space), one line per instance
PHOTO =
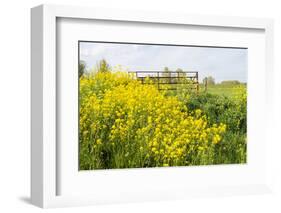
103,66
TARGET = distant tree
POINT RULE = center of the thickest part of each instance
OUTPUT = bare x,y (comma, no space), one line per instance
166,70
180,71
209,80
103,66
82,68
230,82
167,74
180,74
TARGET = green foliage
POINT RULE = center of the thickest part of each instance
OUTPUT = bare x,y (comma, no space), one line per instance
209,80
231,111
82,68
221,109
103,66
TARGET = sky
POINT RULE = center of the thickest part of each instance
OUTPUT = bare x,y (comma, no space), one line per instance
220,63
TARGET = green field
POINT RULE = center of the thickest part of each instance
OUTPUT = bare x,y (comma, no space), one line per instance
230,91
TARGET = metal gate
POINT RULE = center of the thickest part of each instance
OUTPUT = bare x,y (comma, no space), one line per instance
188,79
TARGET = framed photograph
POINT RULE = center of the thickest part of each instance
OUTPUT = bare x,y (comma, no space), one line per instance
130,106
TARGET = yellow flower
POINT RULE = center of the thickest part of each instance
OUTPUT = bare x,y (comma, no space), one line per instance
126,115
99,141
198,112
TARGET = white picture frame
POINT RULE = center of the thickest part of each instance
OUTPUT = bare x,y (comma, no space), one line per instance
44,83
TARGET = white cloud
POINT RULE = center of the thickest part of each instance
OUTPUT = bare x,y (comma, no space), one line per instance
84,52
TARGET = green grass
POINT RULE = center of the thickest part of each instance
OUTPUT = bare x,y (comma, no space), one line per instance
224,90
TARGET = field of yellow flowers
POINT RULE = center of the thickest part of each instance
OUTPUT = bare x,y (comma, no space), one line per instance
126,124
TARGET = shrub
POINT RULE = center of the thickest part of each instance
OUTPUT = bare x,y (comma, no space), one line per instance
232,112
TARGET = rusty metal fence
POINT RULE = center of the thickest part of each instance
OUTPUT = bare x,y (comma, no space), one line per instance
187,79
